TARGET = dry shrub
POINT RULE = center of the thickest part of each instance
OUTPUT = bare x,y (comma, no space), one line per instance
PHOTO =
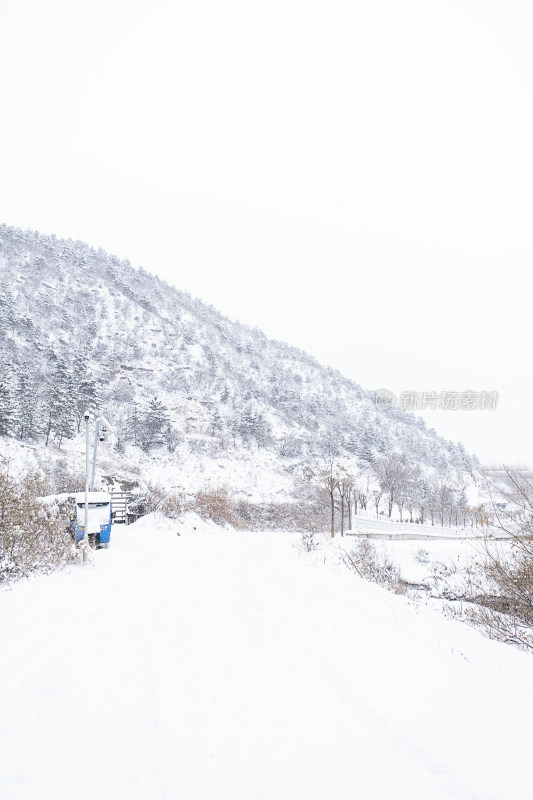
422,556
499,625
373,566
308,541
301,516
62,476
218,506
157,498
34,536
506,614
213,504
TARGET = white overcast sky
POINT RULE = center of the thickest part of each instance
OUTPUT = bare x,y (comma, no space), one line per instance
355,178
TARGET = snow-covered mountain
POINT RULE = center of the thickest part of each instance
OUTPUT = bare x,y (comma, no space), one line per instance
194,398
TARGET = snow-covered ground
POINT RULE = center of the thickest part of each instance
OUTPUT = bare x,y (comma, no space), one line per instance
218,664
443,562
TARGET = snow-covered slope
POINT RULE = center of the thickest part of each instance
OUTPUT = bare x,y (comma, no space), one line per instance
79,327
221,665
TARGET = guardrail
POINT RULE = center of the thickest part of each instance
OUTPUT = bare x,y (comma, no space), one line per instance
384,528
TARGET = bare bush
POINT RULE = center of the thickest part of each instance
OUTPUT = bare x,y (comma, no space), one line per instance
308,541
300,516
373,566
422,556
157,498
499,625
213,504
61,476
218,506
505,612
34,535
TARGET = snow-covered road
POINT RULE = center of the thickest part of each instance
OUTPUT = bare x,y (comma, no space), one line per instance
233,666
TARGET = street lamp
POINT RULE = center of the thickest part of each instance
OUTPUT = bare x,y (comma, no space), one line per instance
100,435
85,538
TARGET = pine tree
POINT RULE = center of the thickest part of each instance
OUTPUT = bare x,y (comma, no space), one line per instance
247,423
133,424
28,415
252,424
224,397
154,422
61,404
6,307
7,403
216,422
86,389
235,428
366,443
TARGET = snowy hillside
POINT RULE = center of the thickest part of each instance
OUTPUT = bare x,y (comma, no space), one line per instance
194,399
235,666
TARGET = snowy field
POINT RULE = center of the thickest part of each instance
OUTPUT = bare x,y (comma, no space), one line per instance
445,568
236,666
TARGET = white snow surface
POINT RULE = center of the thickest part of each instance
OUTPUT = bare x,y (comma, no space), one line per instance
223,664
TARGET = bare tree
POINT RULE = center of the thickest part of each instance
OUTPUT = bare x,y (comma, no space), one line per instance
329,482
329,475
349,495
344,488
377,496
392,474
401,500
359,491
444,496
509,616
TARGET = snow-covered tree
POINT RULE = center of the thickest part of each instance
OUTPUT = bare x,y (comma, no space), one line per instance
61,404
6,307
86,389
154,422
7,402
392,474
28,415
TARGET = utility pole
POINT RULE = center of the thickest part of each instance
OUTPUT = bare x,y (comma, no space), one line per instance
100,435
85,540
96,432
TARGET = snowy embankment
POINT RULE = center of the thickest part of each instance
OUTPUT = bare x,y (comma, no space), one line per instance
385,528
217,664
